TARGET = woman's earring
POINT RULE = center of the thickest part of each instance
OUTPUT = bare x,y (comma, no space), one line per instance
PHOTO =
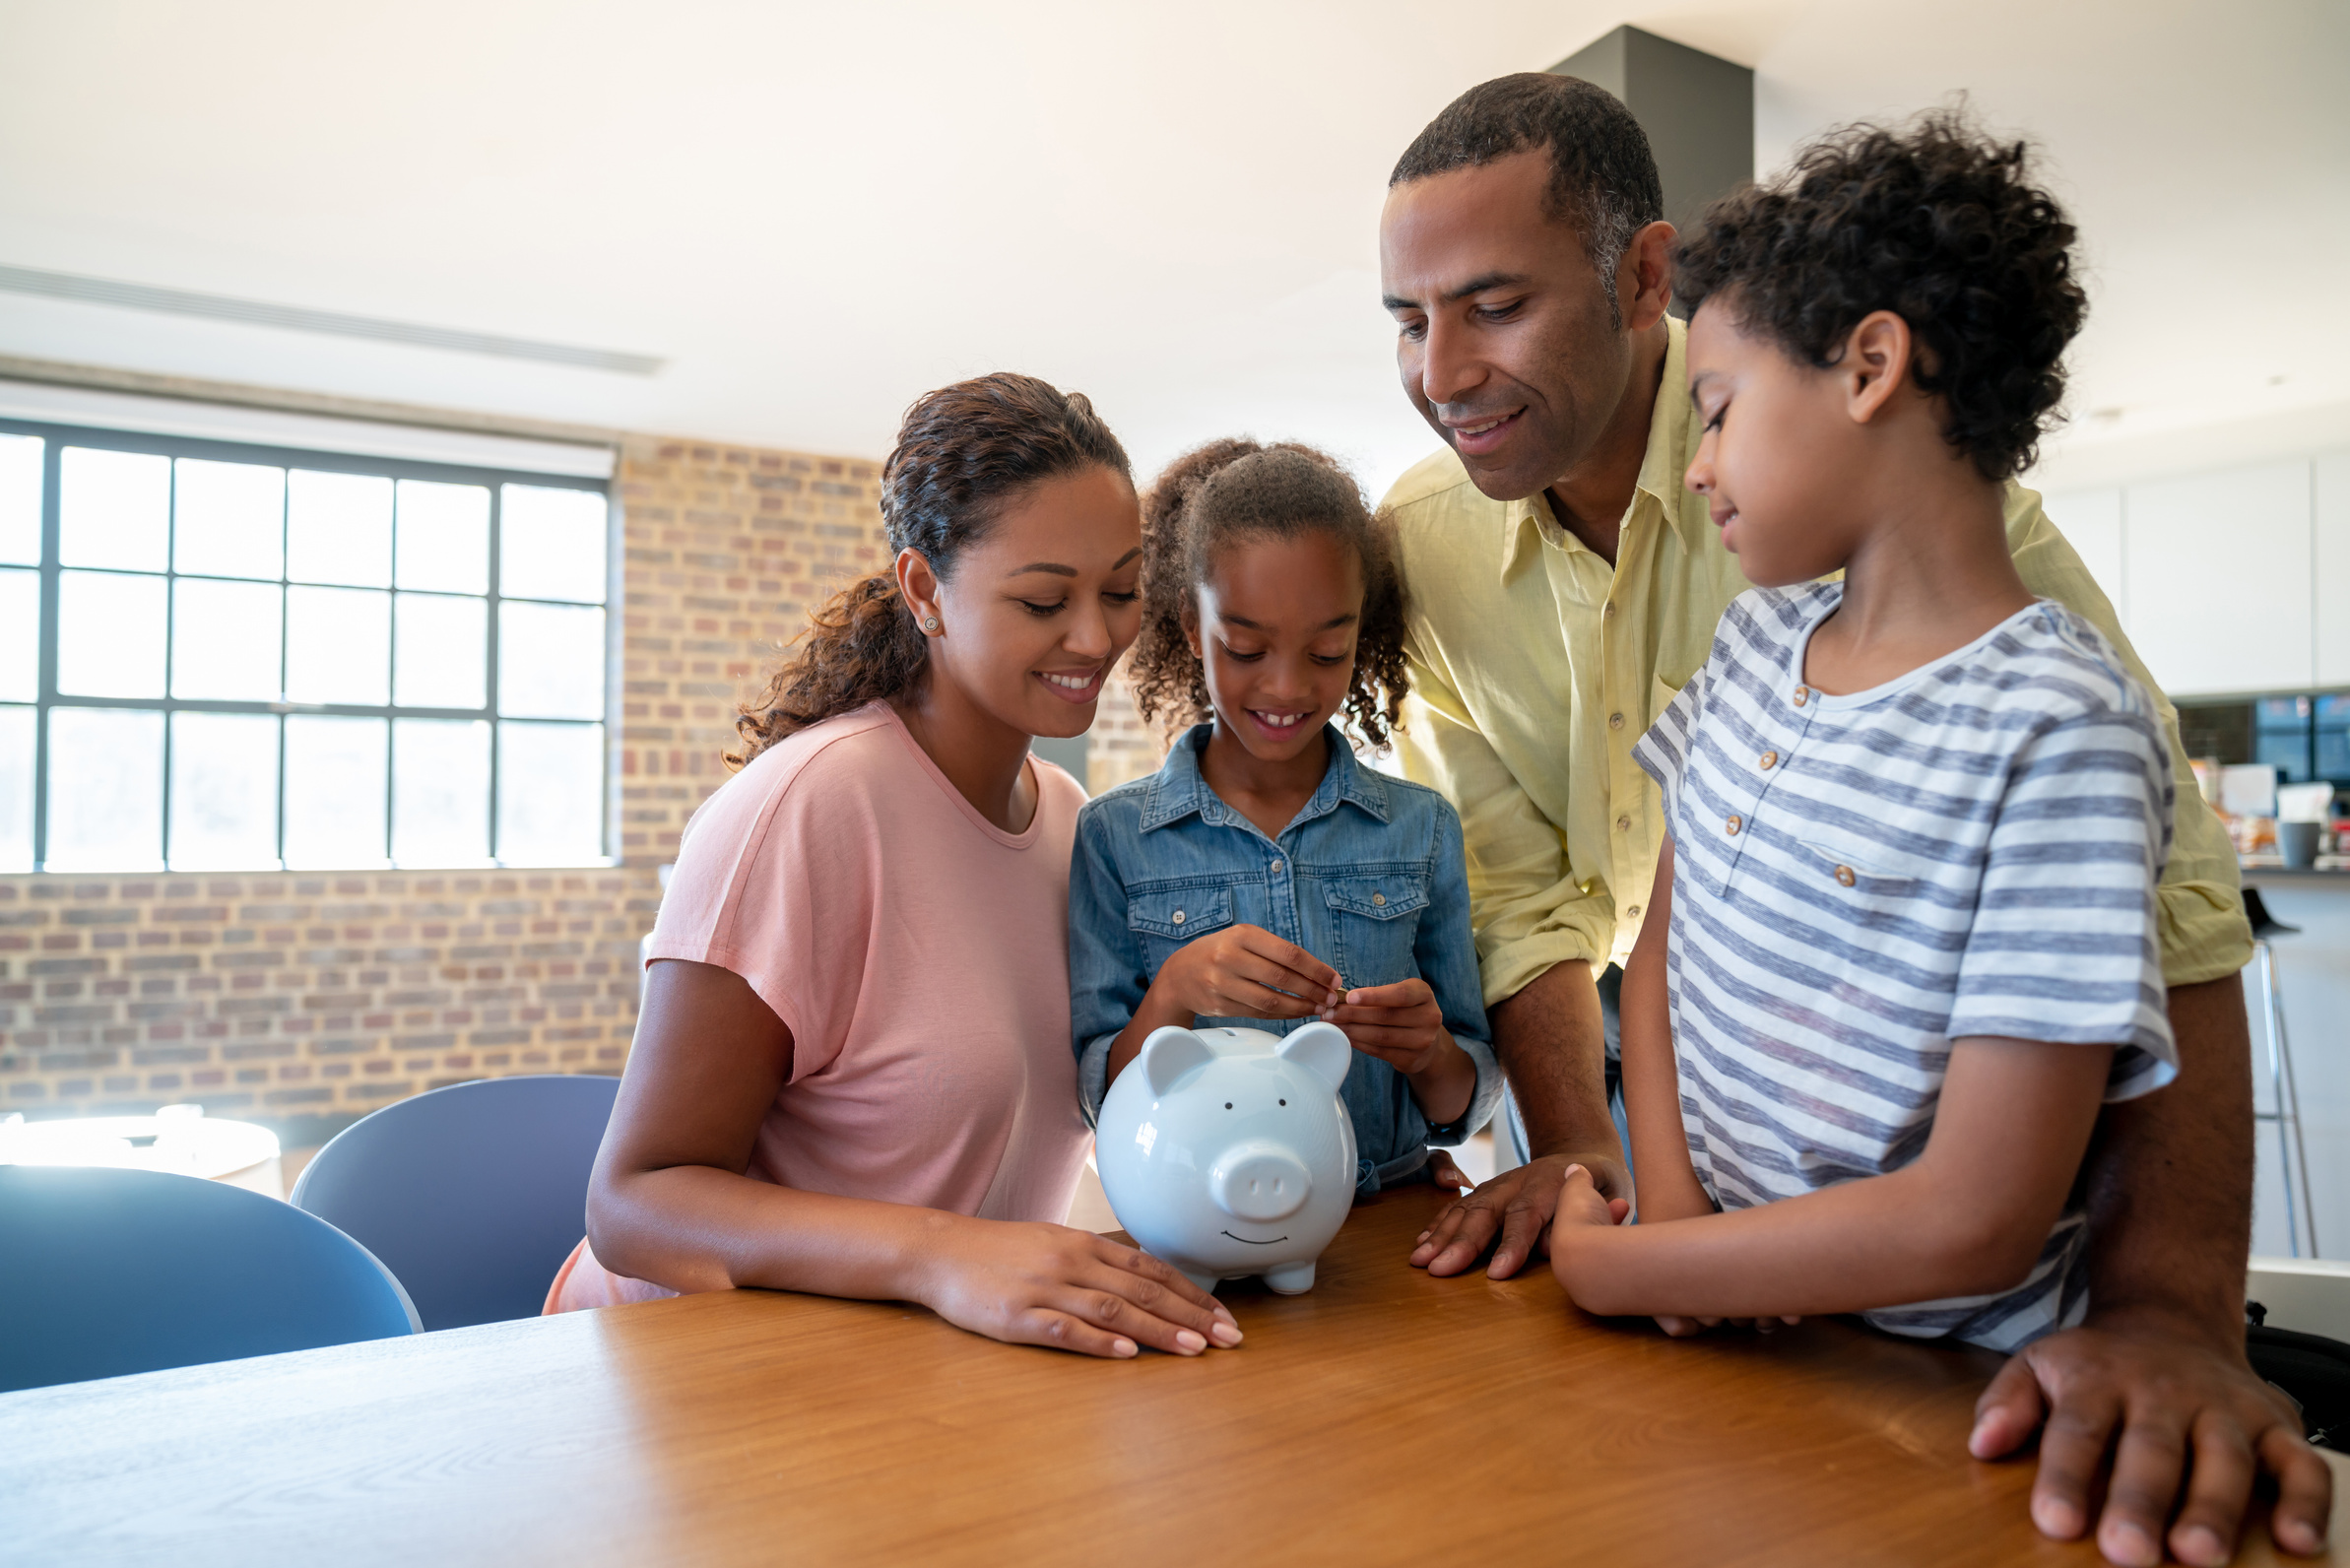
929,624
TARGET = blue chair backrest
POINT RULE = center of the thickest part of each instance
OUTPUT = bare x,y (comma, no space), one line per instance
472,1195
106,1272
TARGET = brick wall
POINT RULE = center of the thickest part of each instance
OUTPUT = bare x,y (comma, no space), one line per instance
727,549
1120,745
307,1000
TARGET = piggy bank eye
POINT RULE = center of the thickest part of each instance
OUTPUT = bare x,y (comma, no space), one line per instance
1227,1105
1284,1102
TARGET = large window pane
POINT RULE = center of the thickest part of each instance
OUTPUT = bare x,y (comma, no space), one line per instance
225,641
231,519
335,778
105,790
339,529
549,661
113,509
550,794
551,544
338,646
445,537
441,651
110,634
19,499
16,789
224,791
440,792
20,636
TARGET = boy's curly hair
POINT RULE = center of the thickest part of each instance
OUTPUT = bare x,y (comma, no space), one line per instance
1934,222
1228,490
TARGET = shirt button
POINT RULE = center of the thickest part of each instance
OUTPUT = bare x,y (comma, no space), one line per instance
1844,875
1276,868
1770,760
1380,899
1623,824
1611,608
1632,911
1733,825
1803,695
1615,721
1178,917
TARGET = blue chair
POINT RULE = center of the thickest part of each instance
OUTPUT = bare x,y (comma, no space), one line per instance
472,1195
105,1271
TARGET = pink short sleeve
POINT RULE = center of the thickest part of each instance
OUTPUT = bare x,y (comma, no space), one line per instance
776,880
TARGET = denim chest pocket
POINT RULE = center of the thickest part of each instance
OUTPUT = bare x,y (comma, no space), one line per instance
1168,919
1374,925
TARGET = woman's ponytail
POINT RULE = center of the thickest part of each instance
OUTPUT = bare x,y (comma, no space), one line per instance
963,452
861,646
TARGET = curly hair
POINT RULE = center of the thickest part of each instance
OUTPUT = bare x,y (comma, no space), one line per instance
964,452
1934,222
1603,176
1215,496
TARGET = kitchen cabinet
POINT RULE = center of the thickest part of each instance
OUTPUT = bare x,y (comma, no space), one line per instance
2090,522
2332,508
2217,577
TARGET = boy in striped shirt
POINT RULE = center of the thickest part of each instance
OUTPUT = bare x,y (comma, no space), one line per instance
1917,817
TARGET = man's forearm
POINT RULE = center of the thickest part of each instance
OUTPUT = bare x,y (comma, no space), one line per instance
1552,1047
2170,1177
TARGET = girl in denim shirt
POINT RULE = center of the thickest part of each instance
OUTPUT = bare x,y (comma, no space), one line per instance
1264,874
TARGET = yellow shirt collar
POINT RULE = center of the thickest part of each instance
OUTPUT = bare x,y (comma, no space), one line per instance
1672,442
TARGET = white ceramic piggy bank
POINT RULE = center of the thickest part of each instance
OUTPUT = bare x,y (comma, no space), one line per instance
1228,1152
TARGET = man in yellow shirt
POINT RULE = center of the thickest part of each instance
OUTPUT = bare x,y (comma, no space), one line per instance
1565,584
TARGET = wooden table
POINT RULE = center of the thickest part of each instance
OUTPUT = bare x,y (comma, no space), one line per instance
1387,1417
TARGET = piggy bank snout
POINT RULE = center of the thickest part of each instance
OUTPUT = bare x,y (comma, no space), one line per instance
1260,1181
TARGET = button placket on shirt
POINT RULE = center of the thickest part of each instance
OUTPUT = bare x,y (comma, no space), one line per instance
1792,720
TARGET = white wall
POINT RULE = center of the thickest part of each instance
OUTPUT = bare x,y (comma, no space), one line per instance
2228,582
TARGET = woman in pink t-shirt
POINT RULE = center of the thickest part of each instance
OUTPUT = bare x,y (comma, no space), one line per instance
851,1073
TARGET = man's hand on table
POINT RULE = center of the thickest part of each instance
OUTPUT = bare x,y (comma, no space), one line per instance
2177,1404
1516,1208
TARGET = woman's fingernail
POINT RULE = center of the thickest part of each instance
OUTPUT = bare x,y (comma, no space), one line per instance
1123,1347
1189,1343
1225,1332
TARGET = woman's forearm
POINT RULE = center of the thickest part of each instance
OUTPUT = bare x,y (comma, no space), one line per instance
693,1227
1859,1244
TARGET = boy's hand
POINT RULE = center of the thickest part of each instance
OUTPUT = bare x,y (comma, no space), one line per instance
1579,1203
1247,972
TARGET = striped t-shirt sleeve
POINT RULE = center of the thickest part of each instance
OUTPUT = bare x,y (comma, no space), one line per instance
2065,945
1663,752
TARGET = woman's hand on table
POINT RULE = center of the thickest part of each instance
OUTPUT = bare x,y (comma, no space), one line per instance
1069,1289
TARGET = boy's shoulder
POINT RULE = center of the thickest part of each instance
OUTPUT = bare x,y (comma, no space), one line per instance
2056,658
1767,621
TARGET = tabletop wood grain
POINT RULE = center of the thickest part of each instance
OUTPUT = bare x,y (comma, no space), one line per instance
1385,1417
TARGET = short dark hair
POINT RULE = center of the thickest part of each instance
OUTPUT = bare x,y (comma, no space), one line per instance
1603,176
1934,222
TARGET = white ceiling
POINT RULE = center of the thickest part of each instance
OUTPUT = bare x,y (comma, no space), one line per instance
811,213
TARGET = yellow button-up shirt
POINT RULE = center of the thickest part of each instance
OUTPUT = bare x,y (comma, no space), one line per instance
1536,666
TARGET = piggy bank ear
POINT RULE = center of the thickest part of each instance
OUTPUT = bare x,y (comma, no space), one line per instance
1170,1053
1322,1049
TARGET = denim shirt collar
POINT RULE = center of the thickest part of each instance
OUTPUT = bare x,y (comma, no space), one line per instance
1178,790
